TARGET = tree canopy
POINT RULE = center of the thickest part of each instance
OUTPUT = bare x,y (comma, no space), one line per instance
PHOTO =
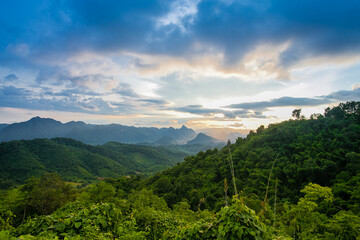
299,179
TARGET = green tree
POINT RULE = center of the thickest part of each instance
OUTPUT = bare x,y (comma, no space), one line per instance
47,193
296,113
97,193
302,221
234,222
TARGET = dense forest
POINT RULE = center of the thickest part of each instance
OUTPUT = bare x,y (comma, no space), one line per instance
299,179
83,163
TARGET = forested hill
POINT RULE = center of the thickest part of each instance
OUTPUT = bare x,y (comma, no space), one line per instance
298,179
323,150
79,162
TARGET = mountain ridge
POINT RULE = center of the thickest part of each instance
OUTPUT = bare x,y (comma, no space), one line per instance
90,133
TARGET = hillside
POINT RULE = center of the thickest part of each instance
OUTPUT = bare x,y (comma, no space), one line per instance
299,179
79,162
323,150
92,134
3,125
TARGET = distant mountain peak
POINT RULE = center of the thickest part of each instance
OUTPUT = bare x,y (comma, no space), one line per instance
38,119
81,123
203,135
202,138
183,127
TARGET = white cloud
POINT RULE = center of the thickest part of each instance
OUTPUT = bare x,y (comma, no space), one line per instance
181,10
355,86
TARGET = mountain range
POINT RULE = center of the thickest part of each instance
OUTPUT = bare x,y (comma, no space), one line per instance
94,134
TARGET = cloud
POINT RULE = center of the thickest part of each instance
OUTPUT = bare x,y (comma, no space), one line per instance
356,86
55,74
239,26
197,109
343,95
353,95
218,113
11,96
279,102
181,13
70,92
237,125
153,55
256,109
90,81
11,77
124,89
175,28
184,87
62,76
157,102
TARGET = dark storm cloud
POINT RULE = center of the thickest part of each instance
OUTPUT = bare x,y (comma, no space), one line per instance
313,26
235,27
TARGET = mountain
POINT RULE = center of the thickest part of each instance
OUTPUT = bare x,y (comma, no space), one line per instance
3,125
34,128
79,162
166,140
92,134
203,139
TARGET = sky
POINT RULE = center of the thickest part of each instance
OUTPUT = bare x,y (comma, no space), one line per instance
205,64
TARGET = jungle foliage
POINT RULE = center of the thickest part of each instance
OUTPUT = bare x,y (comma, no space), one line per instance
78,162
298,179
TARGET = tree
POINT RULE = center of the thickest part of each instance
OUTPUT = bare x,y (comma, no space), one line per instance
303,221
97,193
236,221
47,193
296,113
344,110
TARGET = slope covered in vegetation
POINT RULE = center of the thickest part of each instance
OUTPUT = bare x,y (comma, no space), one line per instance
79,162
323,150
296,180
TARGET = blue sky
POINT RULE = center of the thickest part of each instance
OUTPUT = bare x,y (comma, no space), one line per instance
202,63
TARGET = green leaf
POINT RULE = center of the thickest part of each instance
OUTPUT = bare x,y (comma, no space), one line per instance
77,224
67,221
60,227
